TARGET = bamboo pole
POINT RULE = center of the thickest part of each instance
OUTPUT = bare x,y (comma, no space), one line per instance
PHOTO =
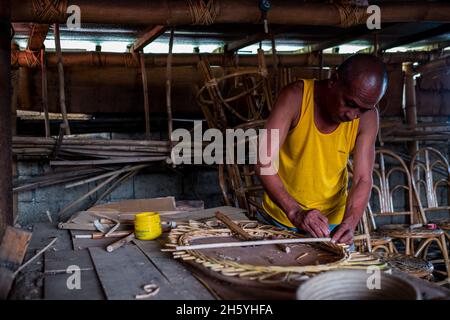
62,94
189,59
169,86
6,195
410,104
145,89
291,12
44,92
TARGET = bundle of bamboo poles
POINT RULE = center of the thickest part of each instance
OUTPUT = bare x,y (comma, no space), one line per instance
100,151
79,161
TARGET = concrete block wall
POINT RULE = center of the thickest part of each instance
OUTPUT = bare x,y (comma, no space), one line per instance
190,183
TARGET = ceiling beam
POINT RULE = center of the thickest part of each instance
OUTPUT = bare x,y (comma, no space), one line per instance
247,41
149,36
445,28
37,36
252,39
164,12
350,35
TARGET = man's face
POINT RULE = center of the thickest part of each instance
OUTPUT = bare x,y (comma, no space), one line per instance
350,101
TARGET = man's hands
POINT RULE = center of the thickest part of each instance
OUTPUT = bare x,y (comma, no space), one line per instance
316,224
311,221
343,234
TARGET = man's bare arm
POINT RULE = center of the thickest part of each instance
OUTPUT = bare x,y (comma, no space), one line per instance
363,162
283,117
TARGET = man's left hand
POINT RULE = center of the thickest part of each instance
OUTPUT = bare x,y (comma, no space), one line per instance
343,234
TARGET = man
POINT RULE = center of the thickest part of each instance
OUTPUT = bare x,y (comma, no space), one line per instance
320,124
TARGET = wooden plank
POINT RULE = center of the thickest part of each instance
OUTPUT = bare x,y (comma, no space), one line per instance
124,272
206,214
139,205
55,287
59,261
29,282
56,276
43,233
181,280
12,251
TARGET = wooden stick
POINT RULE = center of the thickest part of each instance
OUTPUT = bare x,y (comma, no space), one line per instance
116,183
105,175
169,86
233,226
101,235
74,203
62,95
59,141
106,161
250,243
35,256
145,87
120,243
45,92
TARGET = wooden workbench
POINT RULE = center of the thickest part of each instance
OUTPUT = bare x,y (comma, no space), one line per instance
121,275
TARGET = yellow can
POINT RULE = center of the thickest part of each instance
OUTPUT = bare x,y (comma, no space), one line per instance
147,226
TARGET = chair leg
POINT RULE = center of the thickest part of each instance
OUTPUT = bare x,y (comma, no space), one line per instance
408,246
443,246
424,246
391,247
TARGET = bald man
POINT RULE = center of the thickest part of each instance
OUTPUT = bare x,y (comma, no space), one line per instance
321,123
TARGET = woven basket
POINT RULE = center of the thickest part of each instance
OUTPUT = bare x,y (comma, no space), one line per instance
353,285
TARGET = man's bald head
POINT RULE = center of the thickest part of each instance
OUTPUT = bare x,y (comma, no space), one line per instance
364,71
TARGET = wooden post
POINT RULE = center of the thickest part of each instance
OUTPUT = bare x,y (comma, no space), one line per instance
62,95
410,103
44,92
145,87
6,194
169,86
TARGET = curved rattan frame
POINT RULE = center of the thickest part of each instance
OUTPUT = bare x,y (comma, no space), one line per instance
185,233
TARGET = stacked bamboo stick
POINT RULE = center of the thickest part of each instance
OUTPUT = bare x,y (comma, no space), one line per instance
124,151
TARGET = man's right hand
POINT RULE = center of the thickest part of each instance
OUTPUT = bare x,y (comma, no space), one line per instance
311,221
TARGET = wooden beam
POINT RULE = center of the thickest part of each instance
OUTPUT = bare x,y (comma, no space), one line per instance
252,39
167,12
351,34
445,28
12,251
149,36
247,41
37,36
6,195
187,59
62,94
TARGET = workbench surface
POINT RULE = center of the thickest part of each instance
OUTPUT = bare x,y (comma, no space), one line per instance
122,273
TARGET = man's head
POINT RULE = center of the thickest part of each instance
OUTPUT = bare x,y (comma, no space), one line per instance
356,87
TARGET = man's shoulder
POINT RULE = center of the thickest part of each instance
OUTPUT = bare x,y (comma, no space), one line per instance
369,121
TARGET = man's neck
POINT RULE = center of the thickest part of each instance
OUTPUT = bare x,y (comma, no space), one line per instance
324,121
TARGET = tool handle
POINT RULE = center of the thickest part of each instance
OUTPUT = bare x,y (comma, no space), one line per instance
120,243
233,226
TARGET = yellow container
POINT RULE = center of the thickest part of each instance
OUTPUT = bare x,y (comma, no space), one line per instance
147,226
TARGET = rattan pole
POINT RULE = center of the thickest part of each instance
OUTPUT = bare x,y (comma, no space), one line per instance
45,92
62,95
250,243
169,86
146,101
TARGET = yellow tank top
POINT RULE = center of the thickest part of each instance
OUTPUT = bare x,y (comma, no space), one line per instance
313,165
